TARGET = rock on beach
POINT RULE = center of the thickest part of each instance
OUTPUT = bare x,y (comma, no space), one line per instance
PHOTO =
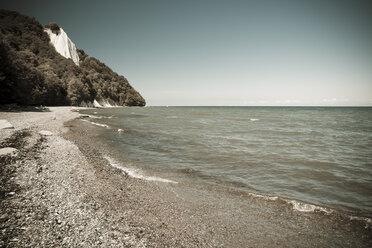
8,151
45,133
4,124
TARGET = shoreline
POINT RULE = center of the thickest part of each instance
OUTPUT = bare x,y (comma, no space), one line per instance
67,194
297,204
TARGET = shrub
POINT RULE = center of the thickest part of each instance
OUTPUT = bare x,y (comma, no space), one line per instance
54,27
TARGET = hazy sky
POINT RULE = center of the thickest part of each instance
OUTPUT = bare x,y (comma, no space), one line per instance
225,52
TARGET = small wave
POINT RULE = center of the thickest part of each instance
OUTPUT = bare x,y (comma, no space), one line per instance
305,207
134,173
252,119
310,208
100,116
265,197
83,116
97,124
220,137
367,221
296,205
188,171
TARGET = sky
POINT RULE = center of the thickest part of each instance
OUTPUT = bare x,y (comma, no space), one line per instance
258,52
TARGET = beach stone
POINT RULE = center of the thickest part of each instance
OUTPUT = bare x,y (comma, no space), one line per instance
4,124
8,151
45,133
4,217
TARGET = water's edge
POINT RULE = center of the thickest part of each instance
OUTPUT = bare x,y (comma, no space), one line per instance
142,174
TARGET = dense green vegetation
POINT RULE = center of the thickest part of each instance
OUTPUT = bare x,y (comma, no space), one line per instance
33,73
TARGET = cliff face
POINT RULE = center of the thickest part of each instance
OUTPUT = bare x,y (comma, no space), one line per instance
41,66
63,44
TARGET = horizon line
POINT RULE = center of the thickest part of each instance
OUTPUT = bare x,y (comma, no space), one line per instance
293,106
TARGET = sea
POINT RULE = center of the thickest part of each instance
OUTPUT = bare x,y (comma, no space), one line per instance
316,158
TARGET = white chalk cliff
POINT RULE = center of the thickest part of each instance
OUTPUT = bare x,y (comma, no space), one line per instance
63,44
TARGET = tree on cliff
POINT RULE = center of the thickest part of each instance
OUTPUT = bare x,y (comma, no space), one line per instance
33,73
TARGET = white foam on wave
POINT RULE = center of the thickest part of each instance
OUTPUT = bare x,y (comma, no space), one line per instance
252,119
265,197
134,173
305,207
296,205
310,208
97,124
366,220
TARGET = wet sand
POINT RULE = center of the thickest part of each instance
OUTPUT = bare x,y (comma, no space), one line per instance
61,191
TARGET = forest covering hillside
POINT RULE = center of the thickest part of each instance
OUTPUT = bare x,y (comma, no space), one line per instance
33,73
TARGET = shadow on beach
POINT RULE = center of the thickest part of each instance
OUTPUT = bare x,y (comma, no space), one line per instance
21,108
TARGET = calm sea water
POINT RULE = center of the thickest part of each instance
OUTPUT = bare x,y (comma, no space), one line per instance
318,155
